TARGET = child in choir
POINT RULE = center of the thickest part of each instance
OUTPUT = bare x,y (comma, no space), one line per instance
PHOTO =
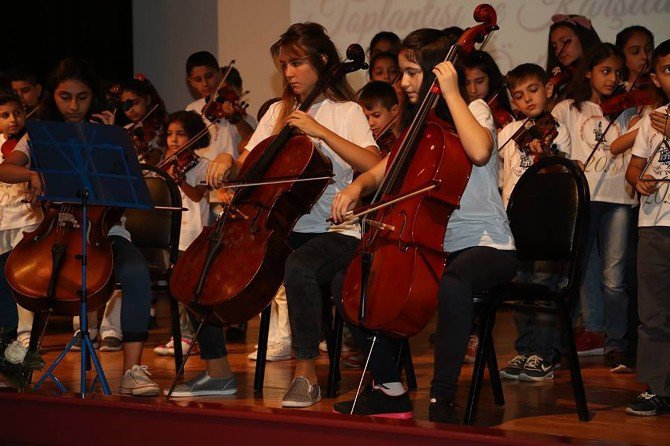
26,84
384,67
570,36
483,80
380,105
16,216
182,127
637,44
75,94
653,351
604,319
384,41
146,115
537,342
204,76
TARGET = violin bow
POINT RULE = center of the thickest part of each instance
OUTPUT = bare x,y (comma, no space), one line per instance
218,87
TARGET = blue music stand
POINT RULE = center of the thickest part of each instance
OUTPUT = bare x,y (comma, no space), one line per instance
86,164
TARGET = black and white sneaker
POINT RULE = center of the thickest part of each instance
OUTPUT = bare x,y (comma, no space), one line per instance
537,369
514,367
375,403
648,405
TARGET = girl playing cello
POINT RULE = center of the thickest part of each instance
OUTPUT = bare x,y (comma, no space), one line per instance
477,233
339,128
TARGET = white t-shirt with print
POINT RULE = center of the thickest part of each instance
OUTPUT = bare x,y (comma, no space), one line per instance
347,120
224,137
196,216
481,219
606,172
514,162
654,208
14,213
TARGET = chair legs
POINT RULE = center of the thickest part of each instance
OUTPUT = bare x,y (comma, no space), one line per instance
573,360
335,346
494,375
261,352
406,364
487,321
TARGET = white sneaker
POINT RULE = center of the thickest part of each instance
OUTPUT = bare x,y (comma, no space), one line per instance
136,382
277,351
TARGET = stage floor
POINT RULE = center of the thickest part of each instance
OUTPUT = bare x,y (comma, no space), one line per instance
544,408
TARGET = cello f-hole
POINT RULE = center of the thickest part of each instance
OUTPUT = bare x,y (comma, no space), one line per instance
402,246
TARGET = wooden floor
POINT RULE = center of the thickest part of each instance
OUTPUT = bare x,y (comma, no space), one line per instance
544,408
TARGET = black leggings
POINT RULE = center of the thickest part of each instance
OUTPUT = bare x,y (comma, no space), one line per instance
468,272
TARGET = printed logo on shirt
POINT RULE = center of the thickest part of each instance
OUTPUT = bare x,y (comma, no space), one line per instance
594,132
660,165
525,161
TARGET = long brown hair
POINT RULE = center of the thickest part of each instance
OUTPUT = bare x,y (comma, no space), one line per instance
310,40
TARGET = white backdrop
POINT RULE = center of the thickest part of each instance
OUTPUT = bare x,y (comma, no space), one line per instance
523,23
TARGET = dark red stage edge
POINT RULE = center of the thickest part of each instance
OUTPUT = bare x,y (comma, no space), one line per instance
47,418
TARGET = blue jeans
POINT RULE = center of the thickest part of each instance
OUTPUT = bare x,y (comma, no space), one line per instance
609,226
538,332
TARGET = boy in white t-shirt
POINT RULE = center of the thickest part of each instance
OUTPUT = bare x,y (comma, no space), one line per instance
653,354
16,216
538,341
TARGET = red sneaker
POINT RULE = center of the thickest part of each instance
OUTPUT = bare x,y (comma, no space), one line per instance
590,343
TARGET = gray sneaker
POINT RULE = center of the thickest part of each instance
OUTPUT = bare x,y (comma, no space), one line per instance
301,393
204,385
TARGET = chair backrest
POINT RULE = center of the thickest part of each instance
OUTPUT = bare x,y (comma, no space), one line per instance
548,213
157,229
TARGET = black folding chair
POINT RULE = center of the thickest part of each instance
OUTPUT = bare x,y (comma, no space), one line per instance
549,217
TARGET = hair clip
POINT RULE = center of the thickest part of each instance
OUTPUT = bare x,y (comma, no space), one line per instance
573,19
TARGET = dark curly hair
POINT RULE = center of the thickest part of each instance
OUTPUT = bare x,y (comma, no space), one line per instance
193,125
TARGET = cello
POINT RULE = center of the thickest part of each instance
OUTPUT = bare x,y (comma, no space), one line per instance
44,269
391,285
235,266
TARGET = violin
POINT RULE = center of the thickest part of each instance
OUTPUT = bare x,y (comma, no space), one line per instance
44,269
178,164
543,128
641,94
501,116
386,138
392,282
280,181
213,109
142,133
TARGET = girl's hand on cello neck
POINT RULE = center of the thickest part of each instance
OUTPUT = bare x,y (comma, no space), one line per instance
306,124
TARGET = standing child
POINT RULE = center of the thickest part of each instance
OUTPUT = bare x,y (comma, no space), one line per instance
16,216
596,77
653,351
537,341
